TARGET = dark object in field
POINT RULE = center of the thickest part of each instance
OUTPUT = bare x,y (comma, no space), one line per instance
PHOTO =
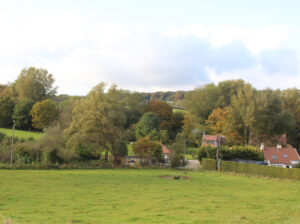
176,177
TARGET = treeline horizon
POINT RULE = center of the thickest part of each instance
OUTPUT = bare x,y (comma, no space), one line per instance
108,118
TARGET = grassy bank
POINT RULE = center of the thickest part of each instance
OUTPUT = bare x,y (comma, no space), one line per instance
22,134
140,196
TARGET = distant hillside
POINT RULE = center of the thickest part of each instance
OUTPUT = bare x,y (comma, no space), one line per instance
175,99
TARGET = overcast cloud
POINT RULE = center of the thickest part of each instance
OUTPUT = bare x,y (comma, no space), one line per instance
82,50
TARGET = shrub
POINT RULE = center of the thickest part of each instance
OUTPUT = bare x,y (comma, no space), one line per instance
28,152
2,135
253,169
202,153
53,157
209,164
236,152
84,153
177,159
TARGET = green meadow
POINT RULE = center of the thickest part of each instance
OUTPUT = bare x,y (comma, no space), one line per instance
142,196
22,134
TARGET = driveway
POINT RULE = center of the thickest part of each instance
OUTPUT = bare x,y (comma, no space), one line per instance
192,165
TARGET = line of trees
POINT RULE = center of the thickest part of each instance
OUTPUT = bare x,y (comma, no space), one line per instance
28,100
100,125
242,113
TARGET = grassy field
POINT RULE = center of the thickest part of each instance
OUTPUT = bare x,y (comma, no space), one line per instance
22,134
141,196
175,110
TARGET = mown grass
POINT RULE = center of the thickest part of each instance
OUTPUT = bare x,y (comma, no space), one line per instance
22,134
175,110
140,196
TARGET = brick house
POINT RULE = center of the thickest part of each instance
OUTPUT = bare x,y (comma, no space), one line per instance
285,157
213,140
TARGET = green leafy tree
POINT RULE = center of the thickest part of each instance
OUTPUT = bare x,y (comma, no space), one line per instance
22,114
34,84
43,114
201,102
6,111
271,119
147,148
242,111
134,106
163,111
149,122
291,103
98,121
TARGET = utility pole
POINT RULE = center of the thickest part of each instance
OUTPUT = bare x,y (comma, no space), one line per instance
184,149
12,143
218,151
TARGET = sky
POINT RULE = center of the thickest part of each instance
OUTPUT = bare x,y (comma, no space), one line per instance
152,45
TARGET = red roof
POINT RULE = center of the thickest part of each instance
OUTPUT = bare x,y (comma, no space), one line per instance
210,137
281,155
165,150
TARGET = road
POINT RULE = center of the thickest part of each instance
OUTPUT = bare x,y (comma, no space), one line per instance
192,165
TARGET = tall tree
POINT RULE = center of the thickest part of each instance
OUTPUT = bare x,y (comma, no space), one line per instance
243,109
43,114
148,123
202,101
98,121
6,111
216,122
147,148
22,114
291,103
134,106
35,84
228,89
271,119
163,110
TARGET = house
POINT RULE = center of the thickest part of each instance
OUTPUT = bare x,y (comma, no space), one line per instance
213,140
135,160
166,153
281,157
146,160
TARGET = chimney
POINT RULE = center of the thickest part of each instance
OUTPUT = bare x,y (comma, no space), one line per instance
262,147
279,146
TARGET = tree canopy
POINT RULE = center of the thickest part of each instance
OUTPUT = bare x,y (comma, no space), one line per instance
34,84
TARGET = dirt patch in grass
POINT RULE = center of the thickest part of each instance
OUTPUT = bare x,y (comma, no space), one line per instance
169,177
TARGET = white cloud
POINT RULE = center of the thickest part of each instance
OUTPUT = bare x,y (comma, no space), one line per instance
81,51
256,40
258,76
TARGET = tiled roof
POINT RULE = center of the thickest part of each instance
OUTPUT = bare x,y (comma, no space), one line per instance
165,150
281,155
210,137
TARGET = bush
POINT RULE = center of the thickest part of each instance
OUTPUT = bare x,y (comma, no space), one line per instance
28,152
2,135
236,152
84,153
202,153
209,164
253,169
177,159
53,157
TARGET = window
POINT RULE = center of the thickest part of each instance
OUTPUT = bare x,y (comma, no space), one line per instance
285,155
274,157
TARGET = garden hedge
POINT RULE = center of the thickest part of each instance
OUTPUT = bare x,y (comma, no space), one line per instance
252,169
209,164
